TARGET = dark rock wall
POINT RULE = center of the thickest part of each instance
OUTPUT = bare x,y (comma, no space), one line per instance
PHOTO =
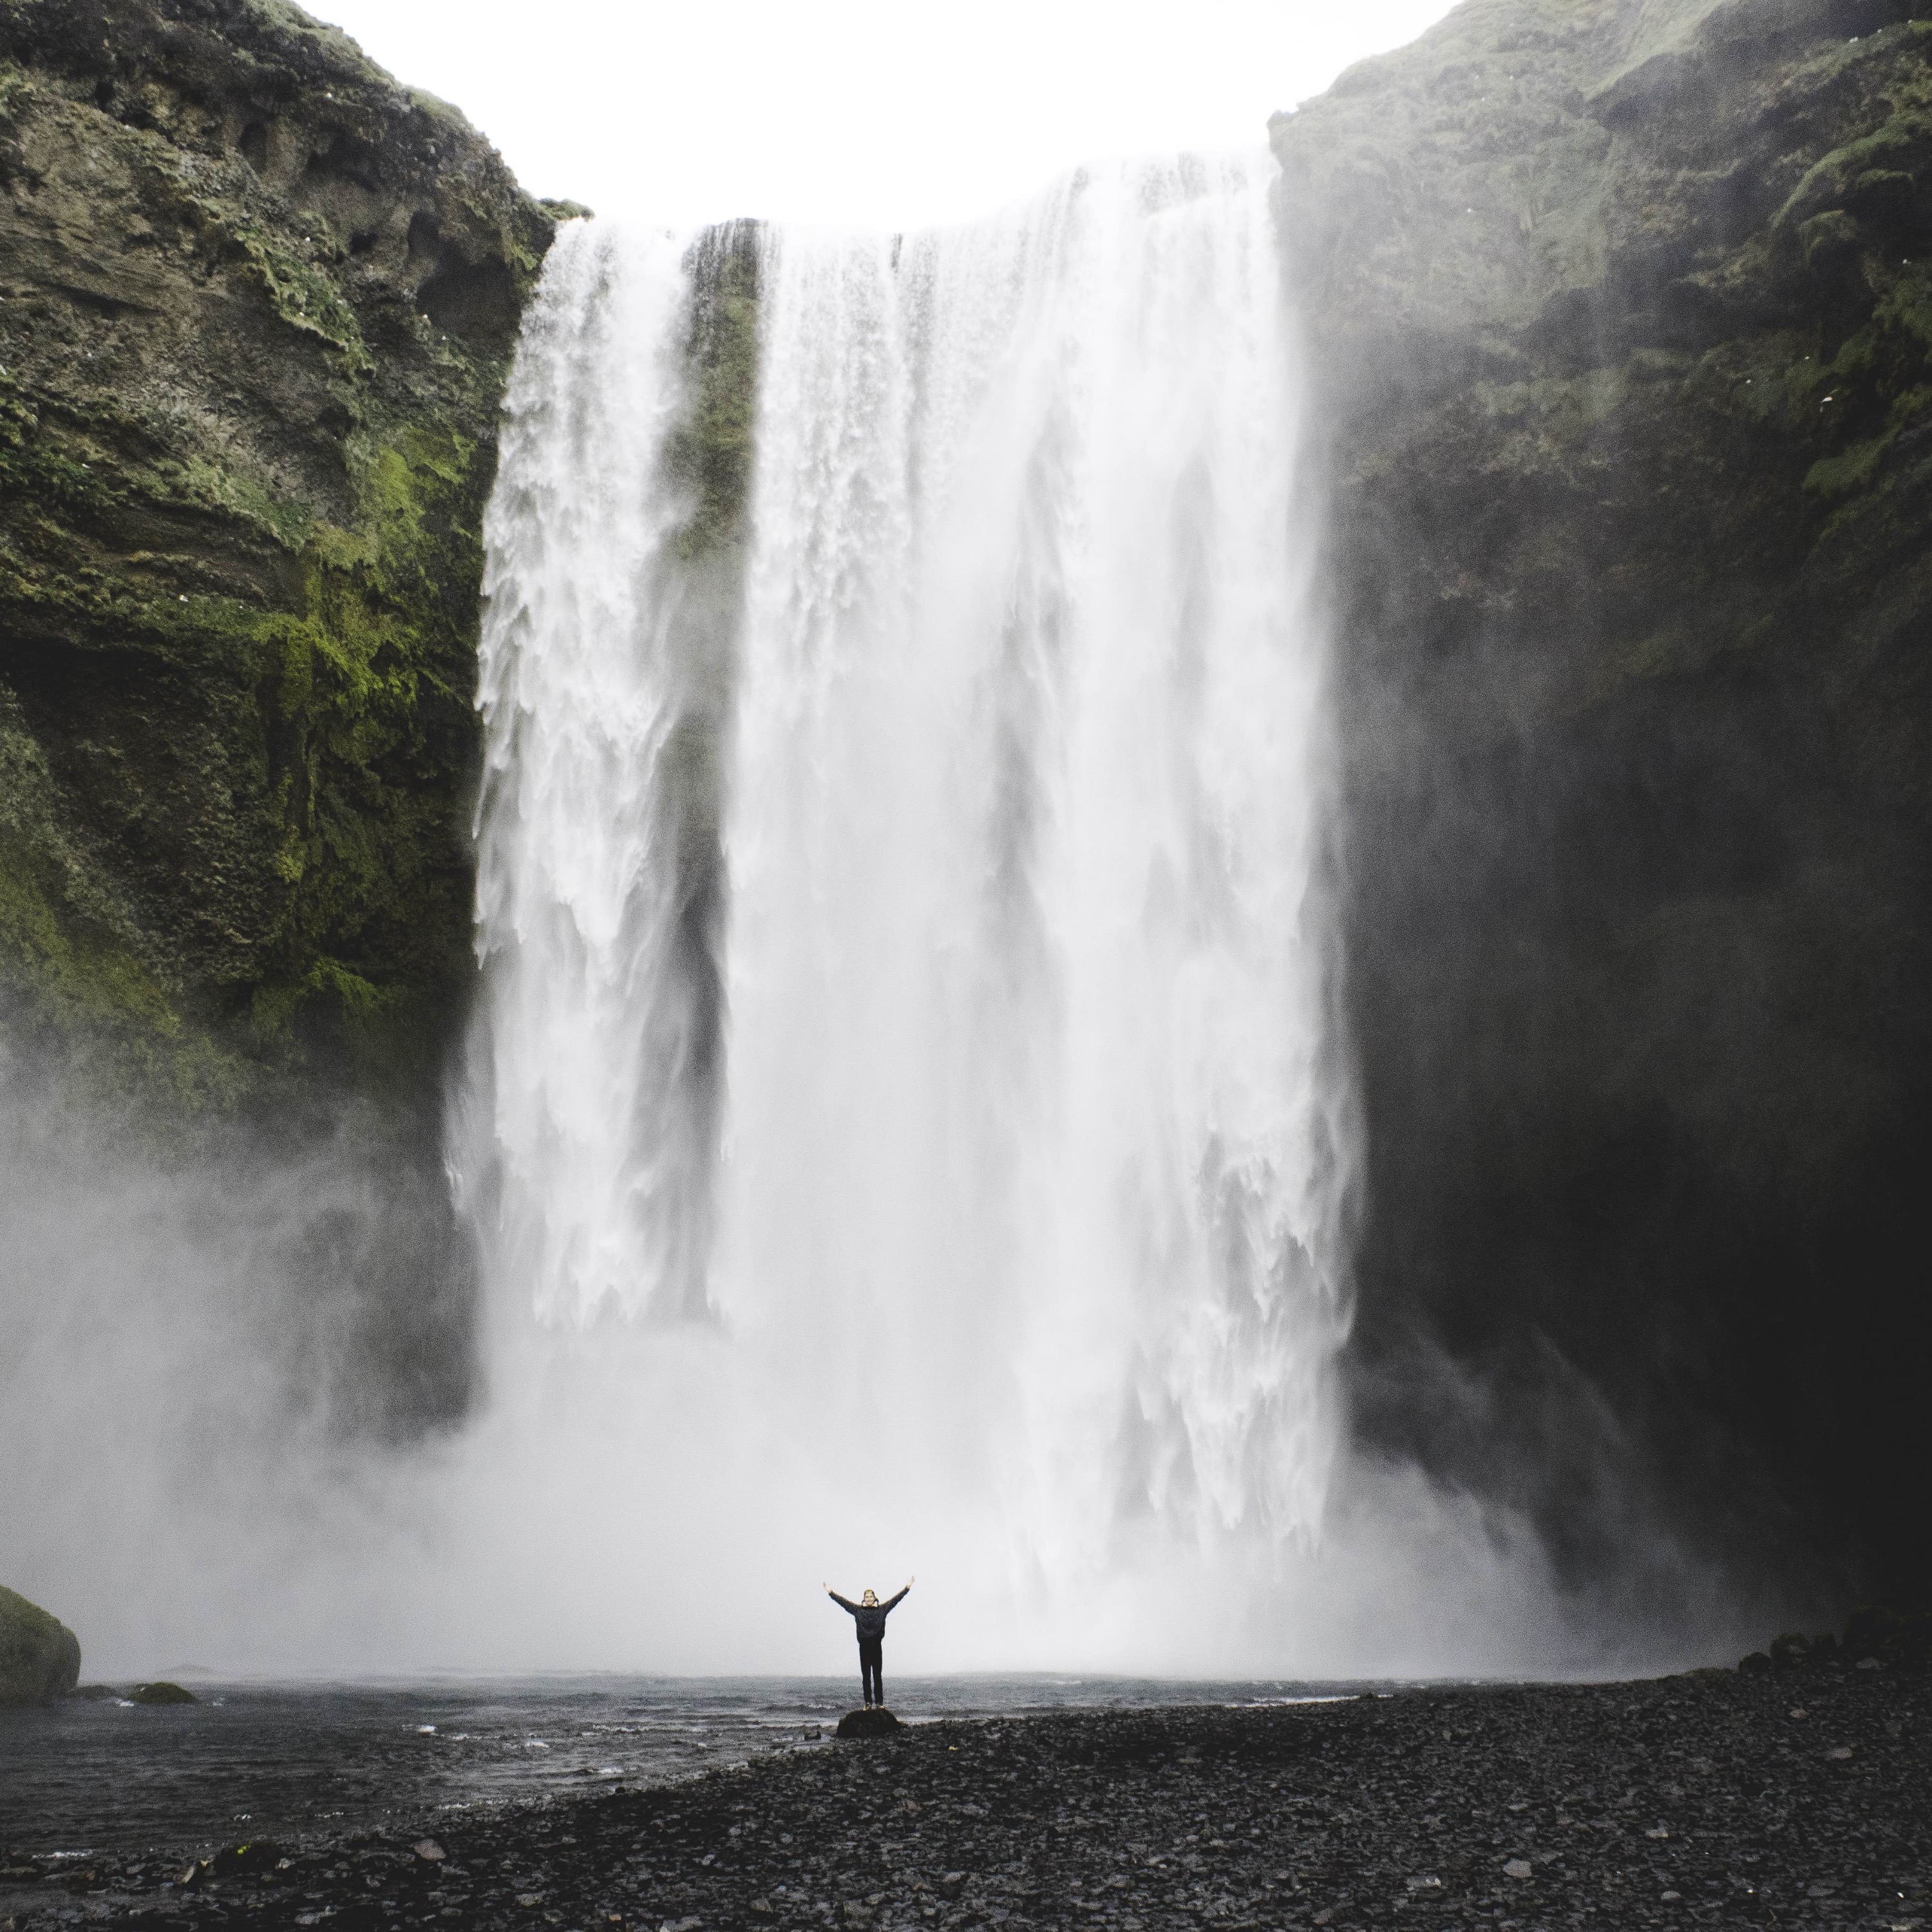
257,303
1622,316
257,306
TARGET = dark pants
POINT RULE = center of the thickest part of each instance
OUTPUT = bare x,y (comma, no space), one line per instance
872,1669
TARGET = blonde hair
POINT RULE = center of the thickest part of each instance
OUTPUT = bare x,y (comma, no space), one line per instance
869,1597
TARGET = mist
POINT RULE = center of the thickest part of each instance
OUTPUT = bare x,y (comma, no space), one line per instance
367,1399
220,1455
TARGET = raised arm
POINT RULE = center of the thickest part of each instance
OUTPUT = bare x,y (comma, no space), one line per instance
893,1603
840,1601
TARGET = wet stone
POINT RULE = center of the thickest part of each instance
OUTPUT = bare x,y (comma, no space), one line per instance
869,1724
1538,1805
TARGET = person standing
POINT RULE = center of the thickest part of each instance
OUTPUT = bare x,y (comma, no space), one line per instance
870,1615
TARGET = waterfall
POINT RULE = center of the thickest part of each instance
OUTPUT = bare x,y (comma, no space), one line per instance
903,988
596,885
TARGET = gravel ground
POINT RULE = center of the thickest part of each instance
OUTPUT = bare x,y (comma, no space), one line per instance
1802,1798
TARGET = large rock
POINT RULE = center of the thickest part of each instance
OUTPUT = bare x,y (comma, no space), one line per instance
40,1657
874,1722
161,1692
1621,317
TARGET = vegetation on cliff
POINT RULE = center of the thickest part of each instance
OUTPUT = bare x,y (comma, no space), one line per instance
40,1657
257,309
1624,320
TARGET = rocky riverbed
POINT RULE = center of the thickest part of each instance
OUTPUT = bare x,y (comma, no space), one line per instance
1799,1797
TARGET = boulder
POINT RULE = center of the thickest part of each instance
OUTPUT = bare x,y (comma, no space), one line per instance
878,1723
162,1693
1878,1637
40,1657
262,1856
1896,1639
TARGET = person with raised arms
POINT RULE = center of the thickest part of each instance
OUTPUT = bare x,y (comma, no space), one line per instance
870,1615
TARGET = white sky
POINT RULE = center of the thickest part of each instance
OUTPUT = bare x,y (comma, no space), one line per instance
864,113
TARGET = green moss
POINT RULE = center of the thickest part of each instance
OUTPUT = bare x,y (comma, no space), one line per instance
372,694
1879,386
304,297
92,455
62,974
1904,310
1771,381
371,1021
162,1692
1554,421
240,557
1835,233
1850,470
16,90
366,687
710,452
1682,646
289,523
1904,138
40,1657
1664,28
1568,405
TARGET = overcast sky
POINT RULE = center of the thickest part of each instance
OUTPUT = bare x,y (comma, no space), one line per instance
862,113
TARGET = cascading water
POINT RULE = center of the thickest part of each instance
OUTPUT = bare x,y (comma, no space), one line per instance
981,1117
600,675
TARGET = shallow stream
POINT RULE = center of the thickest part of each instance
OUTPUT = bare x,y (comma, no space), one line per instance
269,1760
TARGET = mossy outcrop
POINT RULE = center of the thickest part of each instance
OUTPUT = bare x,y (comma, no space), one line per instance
161,1692
257,303
1622,318
709,457
40,1657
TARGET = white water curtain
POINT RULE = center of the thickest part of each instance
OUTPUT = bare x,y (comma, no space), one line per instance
1031,1158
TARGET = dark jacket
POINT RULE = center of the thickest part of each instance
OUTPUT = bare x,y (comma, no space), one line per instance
871,1617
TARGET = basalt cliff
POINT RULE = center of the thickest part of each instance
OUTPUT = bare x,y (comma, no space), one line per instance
1621,315
257,303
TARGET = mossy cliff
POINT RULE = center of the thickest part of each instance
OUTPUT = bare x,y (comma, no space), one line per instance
257,303
1622,320
40,1657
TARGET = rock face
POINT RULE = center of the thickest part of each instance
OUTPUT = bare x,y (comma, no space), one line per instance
1621,316
40,1657
258,304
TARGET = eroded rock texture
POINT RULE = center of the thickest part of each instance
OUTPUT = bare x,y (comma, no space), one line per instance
256,306
1621,314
